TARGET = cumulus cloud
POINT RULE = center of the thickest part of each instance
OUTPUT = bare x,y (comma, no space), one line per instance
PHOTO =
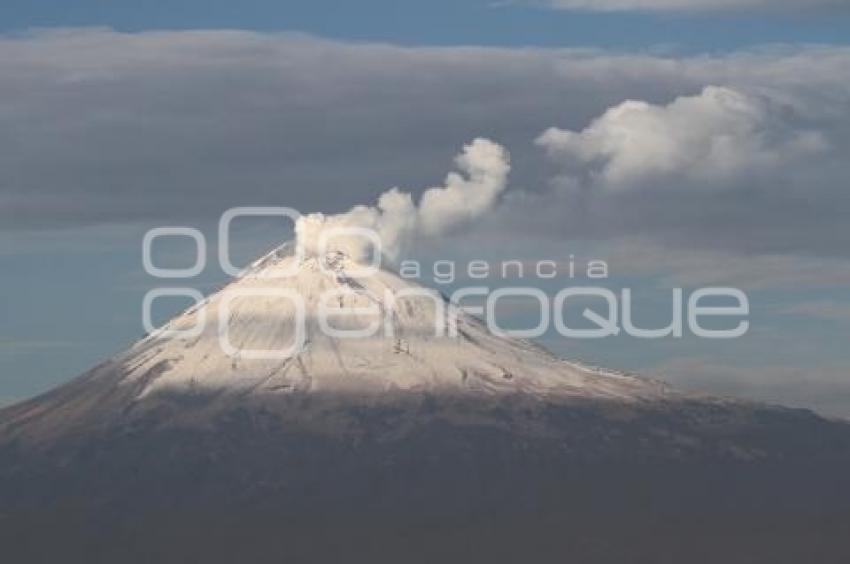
687,5
466,195
710,138
741,169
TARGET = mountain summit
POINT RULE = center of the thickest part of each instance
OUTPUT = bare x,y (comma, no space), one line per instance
367,334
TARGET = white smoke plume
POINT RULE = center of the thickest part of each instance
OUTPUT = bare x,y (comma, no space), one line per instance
468,194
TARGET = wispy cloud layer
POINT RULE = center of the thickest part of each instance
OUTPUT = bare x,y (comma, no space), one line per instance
825,388
824,309
736,152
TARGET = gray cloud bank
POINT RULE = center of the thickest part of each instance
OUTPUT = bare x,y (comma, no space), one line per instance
744,151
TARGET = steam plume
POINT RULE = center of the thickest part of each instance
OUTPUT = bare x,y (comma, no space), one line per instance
483,171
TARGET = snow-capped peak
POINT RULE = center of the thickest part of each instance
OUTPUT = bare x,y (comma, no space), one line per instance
293,324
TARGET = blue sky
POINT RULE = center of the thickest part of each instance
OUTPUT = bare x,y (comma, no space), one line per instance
443,22
107,132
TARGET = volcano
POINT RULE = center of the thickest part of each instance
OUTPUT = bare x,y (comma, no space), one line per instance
244,430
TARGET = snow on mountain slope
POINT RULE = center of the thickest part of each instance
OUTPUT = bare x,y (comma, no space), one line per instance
409,347
230,351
